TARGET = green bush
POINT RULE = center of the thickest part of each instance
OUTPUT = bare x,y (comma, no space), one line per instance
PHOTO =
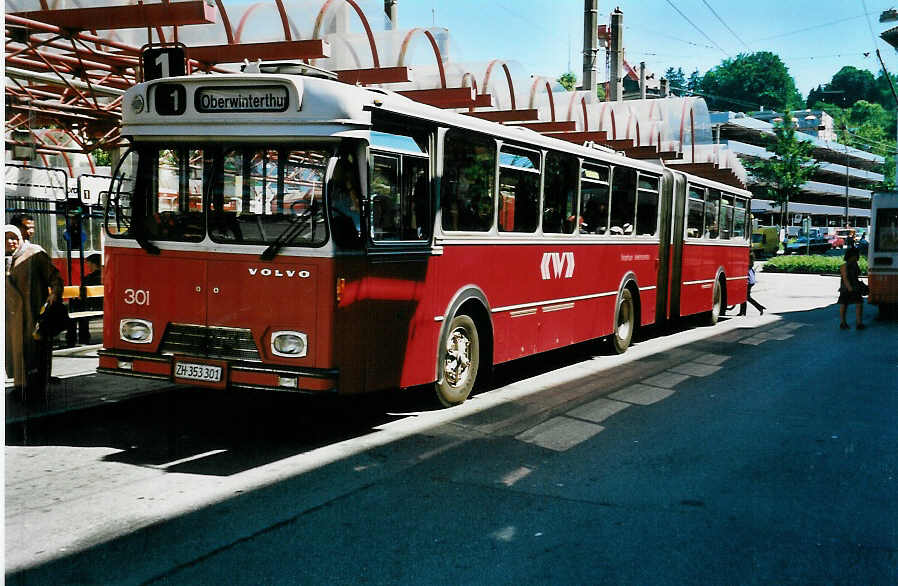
812,264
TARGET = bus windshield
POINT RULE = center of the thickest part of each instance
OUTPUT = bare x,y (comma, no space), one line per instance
239,194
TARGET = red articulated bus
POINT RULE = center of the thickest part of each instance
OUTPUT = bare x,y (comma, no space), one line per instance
293,233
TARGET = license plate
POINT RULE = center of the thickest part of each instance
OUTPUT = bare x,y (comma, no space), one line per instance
200,372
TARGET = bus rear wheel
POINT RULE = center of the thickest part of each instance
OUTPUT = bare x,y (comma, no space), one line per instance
624,322
716,305
459,361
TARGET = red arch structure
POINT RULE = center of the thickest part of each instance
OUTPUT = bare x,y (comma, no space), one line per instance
486,79
319,21
533,88
400,61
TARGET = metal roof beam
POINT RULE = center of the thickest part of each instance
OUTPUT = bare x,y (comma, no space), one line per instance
125,17
374,75
274,51
507,115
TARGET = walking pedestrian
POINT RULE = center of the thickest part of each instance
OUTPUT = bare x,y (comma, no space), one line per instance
752,279
851,290
31,282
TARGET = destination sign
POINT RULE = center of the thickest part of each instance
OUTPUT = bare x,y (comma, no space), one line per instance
271,98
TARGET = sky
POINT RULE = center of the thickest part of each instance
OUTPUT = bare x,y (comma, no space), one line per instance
814,38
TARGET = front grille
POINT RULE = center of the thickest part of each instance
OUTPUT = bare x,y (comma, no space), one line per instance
210,342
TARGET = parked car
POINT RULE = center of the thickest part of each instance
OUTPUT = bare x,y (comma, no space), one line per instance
835,240
818,245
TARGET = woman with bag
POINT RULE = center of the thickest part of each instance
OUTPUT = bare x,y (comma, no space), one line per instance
31,283
851,289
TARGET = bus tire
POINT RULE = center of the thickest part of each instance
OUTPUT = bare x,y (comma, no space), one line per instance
716,305
459,361
624,322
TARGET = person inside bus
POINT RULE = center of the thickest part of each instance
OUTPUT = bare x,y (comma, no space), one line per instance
80,328
851,290
31,282
346,205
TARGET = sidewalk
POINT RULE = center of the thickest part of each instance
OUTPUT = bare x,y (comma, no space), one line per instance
80,386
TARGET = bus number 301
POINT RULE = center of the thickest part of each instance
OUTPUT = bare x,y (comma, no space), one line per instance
137,297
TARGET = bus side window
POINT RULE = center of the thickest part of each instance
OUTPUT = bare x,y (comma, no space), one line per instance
647,206
469,169
560,193
726,217
385,197
594,199
623,200
518,190
712,213
696,212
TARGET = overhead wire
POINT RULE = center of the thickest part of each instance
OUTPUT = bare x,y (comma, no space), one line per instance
704,34
717,16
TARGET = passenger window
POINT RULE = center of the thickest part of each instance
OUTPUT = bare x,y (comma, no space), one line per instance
696,212
594,198
712,214
623,200
726,217
518,190
560,193
469,169
739,219
385,198
647,206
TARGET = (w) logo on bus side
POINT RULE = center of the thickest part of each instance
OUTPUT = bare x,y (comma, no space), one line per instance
557,265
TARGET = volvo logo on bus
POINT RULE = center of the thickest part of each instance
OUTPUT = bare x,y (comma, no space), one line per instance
278,273
557,265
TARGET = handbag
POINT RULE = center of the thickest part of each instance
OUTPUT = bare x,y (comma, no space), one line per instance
863,288
52,320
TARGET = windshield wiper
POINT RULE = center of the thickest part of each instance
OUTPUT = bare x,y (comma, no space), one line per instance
290,232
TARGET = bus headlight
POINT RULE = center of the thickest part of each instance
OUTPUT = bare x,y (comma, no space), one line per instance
289,344
136,331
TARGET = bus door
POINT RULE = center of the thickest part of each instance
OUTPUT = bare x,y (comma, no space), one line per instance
679,213
398,253
667,207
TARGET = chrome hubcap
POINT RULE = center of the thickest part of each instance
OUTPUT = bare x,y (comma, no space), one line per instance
623,320
457,362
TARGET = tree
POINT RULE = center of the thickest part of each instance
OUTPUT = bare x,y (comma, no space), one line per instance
749,81
851,84
568,81
790,167
695,82
676,78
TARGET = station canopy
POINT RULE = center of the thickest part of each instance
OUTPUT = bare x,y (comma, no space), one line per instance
68,63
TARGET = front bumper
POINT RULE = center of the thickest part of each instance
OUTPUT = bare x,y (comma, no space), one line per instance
235,374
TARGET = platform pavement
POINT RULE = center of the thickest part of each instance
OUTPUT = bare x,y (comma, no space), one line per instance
79,386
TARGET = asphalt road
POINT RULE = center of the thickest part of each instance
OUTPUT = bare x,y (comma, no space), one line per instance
760,451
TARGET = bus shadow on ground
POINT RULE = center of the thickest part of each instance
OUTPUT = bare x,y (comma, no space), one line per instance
210,432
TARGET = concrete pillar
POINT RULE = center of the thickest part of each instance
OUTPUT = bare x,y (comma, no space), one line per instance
664,86
642,80
392,11
616,50
590,44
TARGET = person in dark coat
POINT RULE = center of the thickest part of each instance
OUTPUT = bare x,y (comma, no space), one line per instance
31,281
850,289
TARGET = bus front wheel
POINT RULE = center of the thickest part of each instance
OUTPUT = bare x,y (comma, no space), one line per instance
459,361
624,322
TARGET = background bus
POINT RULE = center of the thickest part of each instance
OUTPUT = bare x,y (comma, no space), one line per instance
882,258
